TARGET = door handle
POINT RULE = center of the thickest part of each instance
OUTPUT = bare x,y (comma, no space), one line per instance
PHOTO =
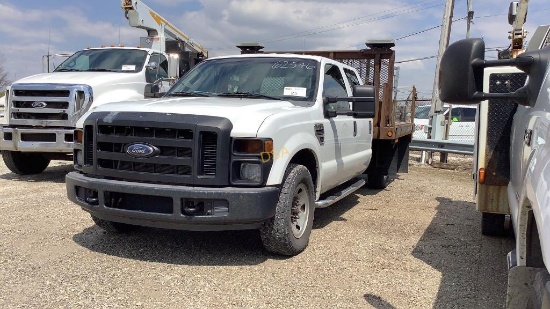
354,128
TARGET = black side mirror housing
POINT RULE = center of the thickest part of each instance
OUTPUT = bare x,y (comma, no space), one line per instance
459,78
462,68
364,101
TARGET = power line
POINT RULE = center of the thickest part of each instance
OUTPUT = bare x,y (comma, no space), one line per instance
416,59
354,19
391,14
430,57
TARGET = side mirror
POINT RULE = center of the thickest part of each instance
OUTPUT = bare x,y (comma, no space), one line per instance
460,78
462,68
364,105
152,91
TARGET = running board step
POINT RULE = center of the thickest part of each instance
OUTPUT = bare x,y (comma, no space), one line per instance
336,196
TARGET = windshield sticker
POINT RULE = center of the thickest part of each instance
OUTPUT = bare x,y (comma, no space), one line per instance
128,67
296,91
284,64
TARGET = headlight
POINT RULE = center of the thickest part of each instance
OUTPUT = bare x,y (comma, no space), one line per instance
251,172
79,158
252,159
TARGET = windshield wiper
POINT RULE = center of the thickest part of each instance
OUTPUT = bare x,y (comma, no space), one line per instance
247,95
100,70
67,70
188,94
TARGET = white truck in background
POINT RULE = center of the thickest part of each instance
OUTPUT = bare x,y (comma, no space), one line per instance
41,110
512,170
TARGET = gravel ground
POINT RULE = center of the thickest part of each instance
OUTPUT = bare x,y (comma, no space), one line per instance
414,245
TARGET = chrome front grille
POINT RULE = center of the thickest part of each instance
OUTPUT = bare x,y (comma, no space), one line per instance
53,105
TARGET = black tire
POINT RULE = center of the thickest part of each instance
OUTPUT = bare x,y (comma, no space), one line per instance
378,181
287,233
493,224
25,163
113,227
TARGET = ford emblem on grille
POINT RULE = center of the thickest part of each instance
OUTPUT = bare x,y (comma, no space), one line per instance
142,150
39,104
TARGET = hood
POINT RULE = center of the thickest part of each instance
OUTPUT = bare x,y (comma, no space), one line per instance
245,114
87,78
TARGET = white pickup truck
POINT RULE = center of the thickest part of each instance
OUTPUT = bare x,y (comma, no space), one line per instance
254,141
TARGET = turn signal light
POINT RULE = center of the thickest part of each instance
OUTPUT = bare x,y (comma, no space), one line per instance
481,176
250,146
78,136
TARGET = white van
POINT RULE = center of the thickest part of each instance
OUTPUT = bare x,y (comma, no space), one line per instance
462,127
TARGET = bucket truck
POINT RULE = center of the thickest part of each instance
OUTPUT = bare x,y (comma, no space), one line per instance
41,110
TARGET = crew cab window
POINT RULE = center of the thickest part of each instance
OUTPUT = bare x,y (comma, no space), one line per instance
160,72
334,86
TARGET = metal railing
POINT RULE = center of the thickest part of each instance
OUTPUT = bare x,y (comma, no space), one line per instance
442,146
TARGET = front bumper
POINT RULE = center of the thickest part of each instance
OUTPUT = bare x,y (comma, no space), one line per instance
36,140
172,206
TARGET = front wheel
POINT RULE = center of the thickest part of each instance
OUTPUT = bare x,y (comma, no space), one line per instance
287,233
25,163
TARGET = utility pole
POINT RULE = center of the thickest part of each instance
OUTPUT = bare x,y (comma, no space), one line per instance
435,131
470,18
437,105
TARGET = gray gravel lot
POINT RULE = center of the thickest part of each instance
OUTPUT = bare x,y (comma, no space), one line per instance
414,245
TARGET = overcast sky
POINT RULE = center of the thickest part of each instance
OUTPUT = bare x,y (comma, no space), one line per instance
28,28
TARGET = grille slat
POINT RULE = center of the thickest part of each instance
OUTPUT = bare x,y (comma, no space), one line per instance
49,104
209,147
42,93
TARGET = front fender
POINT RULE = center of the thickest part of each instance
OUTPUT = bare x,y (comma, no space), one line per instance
286,150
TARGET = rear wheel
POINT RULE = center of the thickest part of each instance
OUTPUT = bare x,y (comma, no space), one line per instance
113,227
378,181
493,224
25,163
288,232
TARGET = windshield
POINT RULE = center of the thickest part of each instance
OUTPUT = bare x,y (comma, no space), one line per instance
423,112
111,60
291,79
